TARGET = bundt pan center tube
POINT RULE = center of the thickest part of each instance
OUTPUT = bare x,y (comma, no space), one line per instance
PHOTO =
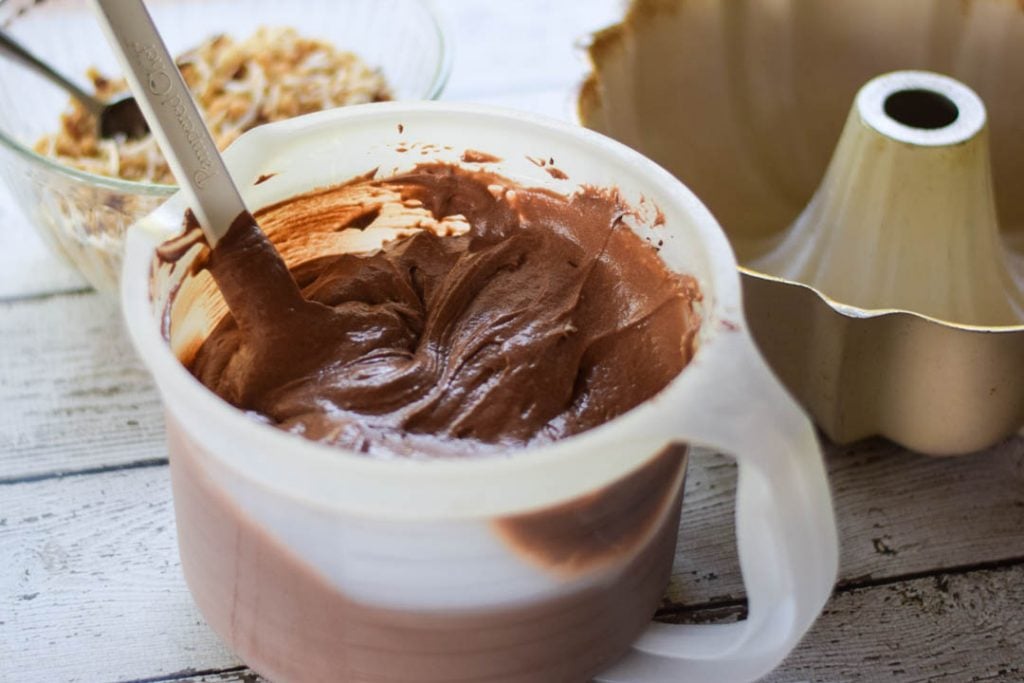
883,260
906,217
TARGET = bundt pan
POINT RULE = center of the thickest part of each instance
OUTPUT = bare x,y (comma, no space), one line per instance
866,158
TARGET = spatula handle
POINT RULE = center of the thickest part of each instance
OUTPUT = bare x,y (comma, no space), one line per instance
172,115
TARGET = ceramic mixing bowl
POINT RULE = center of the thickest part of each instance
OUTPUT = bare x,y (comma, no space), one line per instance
545,564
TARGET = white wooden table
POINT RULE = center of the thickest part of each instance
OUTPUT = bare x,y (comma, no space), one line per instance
932,579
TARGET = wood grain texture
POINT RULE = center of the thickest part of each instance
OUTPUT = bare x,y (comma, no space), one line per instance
902,513
899,513
963,628
237,675
73,395
90,585
95,555
27,265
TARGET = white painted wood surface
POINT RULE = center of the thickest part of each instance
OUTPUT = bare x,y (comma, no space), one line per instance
73,395
89,564
90,588
28,266
942,631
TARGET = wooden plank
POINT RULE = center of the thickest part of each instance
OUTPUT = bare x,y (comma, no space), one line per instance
91,585
942,629
73,396
240,675
899,513
27,265
92,559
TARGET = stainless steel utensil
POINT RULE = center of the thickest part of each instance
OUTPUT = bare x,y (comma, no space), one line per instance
118,117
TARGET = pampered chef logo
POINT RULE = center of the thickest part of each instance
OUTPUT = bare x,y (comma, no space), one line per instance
158,81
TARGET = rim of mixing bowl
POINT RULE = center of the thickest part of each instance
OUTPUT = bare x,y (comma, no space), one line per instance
438,81
561,461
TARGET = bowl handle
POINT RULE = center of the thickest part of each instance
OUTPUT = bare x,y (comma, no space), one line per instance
785,528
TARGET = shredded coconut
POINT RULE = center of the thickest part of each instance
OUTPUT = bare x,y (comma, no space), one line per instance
273,75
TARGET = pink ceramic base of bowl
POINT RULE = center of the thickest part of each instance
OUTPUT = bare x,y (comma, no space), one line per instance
288,623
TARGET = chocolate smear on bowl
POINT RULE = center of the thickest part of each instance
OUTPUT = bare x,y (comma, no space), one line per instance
313,629
556,173
602,527
474,156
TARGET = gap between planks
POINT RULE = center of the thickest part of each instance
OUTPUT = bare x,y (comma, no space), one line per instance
898,513
926,629
96,555
103,469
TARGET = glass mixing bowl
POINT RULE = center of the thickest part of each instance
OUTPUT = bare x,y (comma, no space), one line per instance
84,216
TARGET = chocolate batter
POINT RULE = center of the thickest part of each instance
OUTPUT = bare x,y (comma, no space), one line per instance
548,317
